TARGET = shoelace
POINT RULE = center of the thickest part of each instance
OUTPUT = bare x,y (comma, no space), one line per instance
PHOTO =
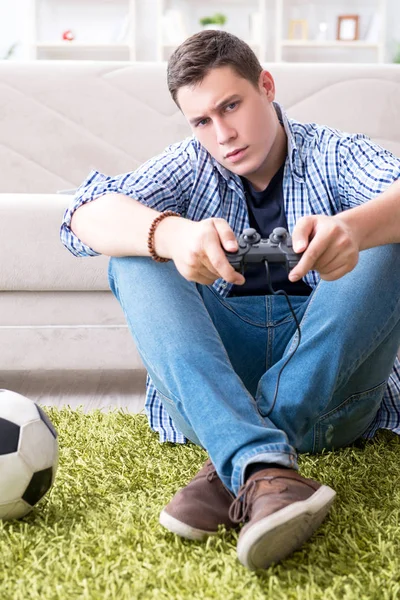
240,507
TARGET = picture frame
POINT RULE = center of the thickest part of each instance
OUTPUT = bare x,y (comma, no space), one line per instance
348,28
298,29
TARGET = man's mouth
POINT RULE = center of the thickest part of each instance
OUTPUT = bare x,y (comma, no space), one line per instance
236,154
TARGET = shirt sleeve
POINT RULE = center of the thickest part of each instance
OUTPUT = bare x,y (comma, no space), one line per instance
163,183
365,170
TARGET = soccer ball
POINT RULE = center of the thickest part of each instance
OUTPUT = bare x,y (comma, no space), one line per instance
28,454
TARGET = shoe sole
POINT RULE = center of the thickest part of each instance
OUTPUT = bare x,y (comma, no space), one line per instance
274,538
182,529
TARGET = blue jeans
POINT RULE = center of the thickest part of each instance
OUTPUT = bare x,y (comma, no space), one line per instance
215,361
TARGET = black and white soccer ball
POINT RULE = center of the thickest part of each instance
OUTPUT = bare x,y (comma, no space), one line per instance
28,454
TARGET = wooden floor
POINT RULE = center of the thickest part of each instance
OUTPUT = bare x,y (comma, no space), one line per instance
90,389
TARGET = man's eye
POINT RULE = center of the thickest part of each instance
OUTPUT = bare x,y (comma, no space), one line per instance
202,123
231,106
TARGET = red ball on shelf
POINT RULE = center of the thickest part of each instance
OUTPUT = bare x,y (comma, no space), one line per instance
68,35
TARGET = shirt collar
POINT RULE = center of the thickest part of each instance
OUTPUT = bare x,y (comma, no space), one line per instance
296,164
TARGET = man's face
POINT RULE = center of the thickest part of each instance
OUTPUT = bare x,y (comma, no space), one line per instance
235,121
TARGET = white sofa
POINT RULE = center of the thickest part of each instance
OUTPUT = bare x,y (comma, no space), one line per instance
59,120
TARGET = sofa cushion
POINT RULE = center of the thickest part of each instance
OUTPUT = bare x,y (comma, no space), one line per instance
36,260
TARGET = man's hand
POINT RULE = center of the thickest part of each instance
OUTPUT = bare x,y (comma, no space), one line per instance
197,249
329,245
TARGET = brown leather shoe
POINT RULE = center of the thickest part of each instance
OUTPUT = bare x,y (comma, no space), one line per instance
282,510
196,511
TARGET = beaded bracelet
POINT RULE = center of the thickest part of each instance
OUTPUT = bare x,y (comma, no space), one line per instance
150,239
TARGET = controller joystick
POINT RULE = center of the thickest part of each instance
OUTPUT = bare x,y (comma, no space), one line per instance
251,236
277,248
278,235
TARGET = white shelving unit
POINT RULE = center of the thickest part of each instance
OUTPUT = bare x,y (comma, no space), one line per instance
178,19
372,15
264,24
110,29
102,29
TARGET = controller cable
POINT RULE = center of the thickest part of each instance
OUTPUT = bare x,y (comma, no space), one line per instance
281,293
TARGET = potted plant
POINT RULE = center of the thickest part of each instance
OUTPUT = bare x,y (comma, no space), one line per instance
10,51
397,55
216,21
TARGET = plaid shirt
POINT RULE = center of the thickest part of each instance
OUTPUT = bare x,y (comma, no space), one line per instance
326,172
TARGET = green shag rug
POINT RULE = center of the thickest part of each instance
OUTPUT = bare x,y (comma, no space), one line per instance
96,535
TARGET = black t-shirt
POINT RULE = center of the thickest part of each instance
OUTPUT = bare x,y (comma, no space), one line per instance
266,211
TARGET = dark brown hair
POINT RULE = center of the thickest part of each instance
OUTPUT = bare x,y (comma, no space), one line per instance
207,50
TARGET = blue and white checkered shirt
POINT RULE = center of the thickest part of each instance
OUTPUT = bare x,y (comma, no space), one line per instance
326,172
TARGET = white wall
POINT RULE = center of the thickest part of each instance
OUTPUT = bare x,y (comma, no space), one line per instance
393,29
14,24
146,31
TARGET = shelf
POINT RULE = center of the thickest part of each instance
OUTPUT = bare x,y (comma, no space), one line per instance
80,46
329,44
249,42
253,43
228,2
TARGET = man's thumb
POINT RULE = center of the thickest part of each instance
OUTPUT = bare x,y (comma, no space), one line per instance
301,233
226,235
230,245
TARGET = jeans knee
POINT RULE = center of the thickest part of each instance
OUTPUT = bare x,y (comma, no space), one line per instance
141,279
123,271
119,265
385,258
128,269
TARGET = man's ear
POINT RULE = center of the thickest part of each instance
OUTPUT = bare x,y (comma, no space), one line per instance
267,85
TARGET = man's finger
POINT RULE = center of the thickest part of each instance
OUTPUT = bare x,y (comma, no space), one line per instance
216,244
302,232
207,266
310,257
328,260
336,273
220,263
205,277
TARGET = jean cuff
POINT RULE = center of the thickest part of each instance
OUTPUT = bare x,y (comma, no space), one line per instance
281,454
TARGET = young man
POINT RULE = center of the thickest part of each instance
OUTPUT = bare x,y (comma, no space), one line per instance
215,343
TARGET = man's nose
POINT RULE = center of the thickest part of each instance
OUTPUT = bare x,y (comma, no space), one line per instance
224,132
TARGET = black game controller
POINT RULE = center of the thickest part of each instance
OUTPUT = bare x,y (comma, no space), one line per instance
254,249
